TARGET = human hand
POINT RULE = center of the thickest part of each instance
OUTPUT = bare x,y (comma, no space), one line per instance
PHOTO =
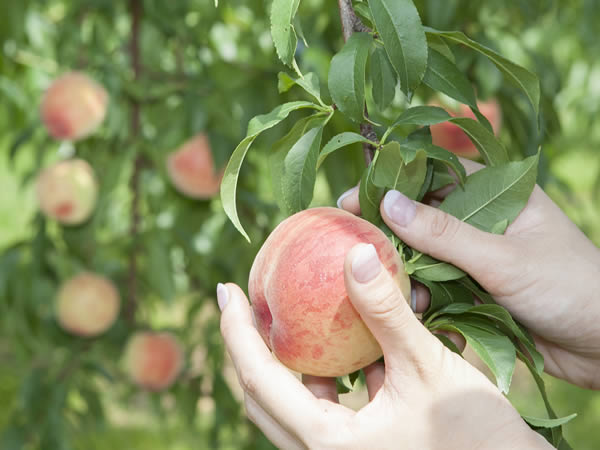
425,397
543,270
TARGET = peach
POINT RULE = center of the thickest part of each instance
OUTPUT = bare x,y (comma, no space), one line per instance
192,170
299,298
87,305
73,107
153,360
67,191
453,138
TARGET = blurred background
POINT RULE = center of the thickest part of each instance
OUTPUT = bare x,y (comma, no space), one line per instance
175,70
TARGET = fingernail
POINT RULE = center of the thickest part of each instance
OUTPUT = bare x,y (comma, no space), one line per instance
222,296
398,207
344,196
413,299
366,265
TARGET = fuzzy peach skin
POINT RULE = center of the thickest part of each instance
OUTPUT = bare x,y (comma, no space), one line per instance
153,360
87,305
192,170
73,107
449,136
299,299
67,191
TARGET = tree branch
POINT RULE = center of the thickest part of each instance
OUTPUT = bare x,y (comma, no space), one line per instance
135,10
350,24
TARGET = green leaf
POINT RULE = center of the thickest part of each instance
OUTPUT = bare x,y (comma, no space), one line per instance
500,227
439,45
347,76
383,79
443,75
498,352
369,195
448,343
281,148
442,155
393,171
548,423
500,314
493,194
256,126
339,141
444,294
299,171
310,83
422,115
525,80
428,268
282,30
556,433
400,28
441,176
490,148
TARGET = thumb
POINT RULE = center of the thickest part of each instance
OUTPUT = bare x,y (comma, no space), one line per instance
444,237
382,306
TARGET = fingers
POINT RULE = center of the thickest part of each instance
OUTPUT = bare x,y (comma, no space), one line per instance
457,339
385,311
321,387
444,237
375,375
421,297
269,426
349,201
273,387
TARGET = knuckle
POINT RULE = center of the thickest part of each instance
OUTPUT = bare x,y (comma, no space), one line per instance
248,381
443,226
386,304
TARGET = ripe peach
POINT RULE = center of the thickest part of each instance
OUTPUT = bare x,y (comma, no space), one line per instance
73,107
153,360
87,305
192,170
299,298
451,137
67,191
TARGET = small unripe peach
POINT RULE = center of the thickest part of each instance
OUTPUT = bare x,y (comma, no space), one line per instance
192,170
453,138
153,360
87,305
67,191
73,107
298,293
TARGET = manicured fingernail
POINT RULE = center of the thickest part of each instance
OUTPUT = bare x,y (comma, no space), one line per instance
366,265
398,207
344,196
222,296
413,299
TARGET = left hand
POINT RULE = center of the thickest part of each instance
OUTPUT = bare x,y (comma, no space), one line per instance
424,397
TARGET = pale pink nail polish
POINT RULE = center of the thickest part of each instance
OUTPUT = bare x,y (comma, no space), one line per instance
398,207
222,296
366,265
344,196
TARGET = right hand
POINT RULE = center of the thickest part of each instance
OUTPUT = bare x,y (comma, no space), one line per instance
544,270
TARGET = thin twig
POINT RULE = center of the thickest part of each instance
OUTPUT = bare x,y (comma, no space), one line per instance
135,9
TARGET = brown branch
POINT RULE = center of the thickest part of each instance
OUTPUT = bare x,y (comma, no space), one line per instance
350,24
135,10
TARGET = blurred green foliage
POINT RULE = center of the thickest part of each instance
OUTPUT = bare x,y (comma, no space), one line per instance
210,69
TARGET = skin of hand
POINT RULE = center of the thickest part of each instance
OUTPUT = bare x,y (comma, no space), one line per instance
425,397
544,270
